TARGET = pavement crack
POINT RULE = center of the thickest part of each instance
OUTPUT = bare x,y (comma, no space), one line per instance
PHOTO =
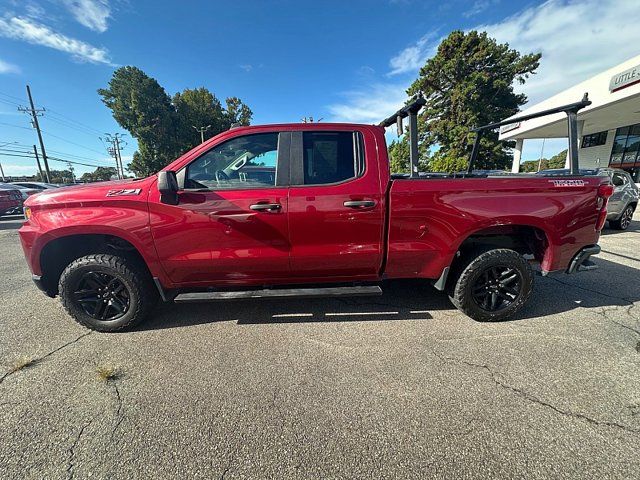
119,413
532,398
71,450
47,355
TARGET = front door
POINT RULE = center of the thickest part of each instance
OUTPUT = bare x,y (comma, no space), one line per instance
230,224
336,210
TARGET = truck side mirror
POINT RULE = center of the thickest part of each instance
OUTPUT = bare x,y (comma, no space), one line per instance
168,187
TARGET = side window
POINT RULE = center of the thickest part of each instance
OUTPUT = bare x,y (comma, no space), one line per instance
619,180
331,157
242,162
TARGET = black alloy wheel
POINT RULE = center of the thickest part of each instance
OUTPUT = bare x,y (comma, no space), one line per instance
497,288
490,285
102,296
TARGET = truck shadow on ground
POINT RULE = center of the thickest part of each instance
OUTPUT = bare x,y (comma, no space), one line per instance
611,285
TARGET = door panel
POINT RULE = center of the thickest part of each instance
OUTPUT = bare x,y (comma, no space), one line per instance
328,237
218,237
230,224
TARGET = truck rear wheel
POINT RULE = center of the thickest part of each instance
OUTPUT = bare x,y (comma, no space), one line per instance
106,292
493,285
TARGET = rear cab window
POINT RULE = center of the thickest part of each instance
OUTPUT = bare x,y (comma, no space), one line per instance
331,157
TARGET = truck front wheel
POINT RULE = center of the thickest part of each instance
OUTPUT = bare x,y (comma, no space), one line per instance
106,292
493,285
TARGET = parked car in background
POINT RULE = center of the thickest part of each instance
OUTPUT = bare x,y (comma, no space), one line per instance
624,200
26,192
35,185
10,199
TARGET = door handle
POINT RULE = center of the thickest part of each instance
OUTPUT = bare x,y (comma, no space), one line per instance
360,203
272,207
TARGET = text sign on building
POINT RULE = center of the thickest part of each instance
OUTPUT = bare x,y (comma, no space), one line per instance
509,127
625,79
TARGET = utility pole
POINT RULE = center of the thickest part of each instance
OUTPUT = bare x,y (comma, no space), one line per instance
35,152
115,150
2,173
201,130
35,113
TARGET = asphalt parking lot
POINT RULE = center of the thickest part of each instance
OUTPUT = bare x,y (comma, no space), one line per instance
398,386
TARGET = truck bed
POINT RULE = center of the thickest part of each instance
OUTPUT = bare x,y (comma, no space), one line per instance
429,218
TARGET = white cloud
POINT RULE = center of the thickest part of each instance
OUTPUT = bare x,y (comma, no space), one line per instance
478,7
18,170
578,39
247,67
93,14
6,67
369,106
20,28
413,57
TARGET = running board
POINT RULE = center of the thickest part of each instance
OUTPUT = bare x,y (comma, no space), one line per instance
279,293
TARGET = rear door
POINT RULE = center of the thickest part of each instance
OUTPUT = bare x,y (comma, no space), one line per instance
230,223
336,207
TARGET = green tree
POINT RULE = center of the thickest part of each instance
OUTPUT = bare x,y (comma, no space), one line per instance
163,126
100,174
558,160
140,105
468,83
56,176
399,157
237,112
198,108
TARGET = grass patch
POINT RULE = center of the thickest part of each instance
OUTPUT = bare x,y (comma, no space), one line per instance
107,372
21,362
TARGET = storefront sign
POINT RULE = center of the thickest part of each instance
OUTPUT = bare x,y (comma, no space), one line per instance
625,79
509,127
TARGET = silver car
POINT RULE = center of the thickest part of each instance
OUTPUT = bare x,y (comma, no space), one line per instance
624,200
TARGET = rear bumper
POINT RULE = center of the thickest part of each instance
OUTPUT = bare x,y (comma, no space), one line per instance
581,260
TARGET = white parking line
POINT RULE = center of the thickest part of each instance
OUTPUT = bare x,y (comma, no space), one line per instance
350,314
284,315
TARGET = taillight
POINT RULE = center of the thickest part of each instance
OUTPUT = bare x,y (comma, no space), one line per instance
604,192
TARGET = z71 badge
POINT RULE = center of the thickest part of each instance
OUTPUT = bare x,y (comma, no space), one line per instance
568,183
124,192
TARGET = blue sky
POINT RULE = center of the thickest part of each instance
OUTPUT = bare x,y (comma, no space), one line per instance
339,60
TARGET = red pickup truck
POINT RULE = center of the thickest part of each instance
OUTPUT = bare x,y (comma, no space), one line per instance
305,209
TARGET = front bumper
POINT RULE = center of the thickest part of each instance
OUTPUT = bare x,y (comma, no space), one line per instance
581,261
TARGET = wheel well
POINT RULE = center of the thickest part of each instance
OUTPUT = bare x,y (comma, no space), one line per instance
527,240
59,253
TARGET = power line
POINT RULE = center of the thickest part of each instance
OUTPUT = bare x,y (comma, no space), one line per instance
73,143
14,125
69,119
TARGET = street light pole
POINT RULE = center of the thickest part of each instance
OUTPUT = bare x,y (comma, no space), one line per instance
201,130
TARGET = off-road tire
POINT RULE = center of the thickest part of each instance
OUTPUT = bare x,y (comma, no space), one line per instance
473,266
141,292
625,219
